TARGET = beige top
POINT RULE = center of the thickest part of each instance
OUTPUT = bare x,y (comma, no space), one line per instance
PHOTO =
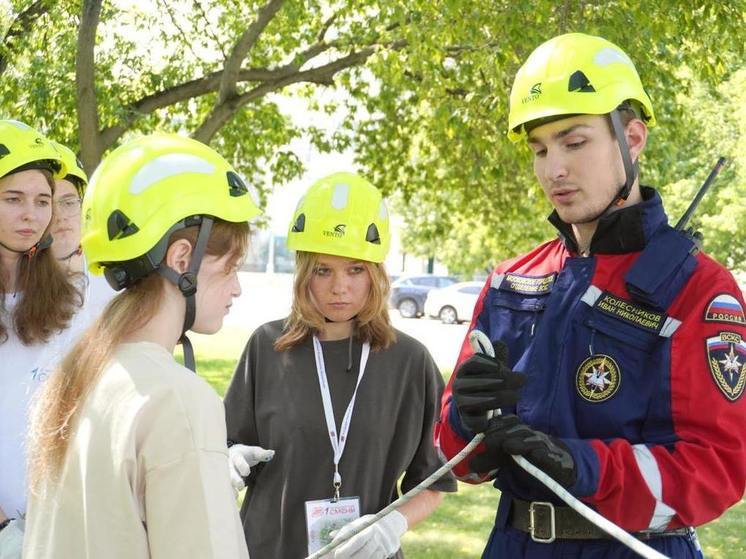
146,474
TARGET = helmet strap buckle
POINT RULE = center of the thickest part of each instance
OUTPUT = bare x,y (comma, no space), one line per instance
187,283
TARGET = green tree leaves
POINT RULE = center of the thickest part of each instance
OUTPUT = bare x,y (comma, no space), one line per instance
424,86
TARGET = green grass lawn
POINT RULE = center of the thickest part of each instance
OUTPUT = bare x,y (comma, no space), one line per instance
461,525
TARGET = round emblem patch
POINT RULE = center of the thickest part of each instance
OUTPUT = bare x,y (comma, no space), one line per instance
598,378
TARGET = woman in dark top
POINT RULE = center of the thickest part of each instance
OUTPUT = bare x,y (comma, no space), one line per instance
333,403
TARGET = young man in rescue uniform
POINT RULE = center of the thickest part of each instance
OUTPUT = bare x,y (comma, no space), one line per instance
624,371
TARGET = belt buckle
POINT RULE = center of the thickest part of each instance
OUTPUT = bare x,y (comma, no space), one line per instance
532,516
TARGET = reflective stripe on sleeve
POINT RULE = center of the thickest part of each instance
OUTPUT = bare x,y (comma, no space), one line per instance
662,514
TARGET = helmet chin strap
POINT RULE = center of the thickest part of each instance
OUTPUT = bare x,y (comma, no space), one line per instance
77,252
630,169
187,284
44,243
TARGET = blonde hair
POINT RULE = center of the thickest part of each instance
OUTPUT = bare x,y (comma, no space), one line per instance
372,324
63,395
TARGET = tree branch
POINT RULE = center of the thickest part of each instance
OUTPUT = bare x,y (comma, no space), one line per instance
321,75
456,50
242,47
208,27
325,27
90,140
175,23
20,27
563,15
211,82
180,93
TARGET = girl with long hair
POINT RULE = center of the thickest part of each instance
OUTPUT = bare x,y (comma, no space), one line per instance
329,408
39,305
128,453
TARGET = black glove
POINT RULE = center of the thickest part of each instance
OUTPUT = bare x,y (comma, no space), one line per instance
507,435
482,384
494,456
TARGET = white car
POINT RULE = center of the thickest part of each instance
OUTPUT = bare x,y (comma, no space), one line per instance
455,303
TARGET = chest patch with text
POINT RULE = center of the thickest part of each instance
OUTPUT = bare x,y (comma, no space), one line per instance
725,308
527,285
630,313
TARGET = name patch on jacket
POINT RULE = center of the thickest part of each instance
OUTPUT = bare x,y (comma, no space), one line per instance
726,354
725,308
630,313
527,285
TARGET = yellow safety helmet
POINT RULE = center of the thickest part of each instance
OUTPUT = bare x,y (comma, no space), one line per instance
343,215
574,74
75,173
148,188
22,148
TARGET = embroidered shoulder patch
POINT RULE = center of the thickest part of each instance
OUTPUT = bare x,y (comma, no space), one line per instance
725,308
528,285
631,313
726,355
598,378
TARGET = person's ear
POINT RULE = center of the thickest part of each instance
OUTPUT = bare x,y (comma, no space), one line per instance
636,134
179,255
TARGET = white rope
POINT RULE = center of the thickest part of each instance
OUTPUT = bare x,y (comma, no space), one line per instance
589,514
606,525
481,344
432,478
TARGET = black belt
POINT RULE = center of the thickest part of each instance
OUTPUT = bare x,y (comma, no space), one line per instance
546,522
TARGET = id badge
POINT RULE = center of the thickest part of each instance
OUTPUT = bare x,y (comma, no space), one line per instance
324,516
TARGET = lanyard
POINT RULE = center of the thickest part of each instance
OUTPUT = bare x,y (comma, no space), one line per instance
338,442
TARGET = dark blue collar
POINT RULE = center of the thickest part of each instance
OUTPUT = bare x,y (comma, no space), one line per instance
625,230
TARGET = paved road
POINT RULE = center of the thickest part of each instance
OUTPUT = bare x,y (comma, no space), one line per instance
267,297
442,340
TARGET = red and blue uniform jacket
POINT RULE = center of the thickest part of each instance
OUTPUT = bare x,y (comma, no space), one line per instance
635,358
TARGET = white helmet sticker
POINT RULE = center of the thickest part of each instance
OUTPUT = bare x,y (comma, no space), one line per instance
383,212
19,124
607,56
340,195
166,166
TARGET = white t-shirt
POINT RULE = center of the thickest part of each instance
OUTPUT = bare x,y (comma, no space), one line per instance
146,473
22,370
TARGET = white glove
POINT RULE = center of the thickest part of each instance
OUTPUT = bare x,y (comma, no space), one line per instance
11,540
377,541
242,458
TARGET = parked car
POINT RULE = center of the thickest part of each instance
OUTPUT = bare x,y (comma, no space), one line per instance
408,293
453,304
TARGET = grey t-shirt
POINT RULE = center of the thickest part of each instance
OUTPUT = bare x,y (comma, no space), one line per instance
274,401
